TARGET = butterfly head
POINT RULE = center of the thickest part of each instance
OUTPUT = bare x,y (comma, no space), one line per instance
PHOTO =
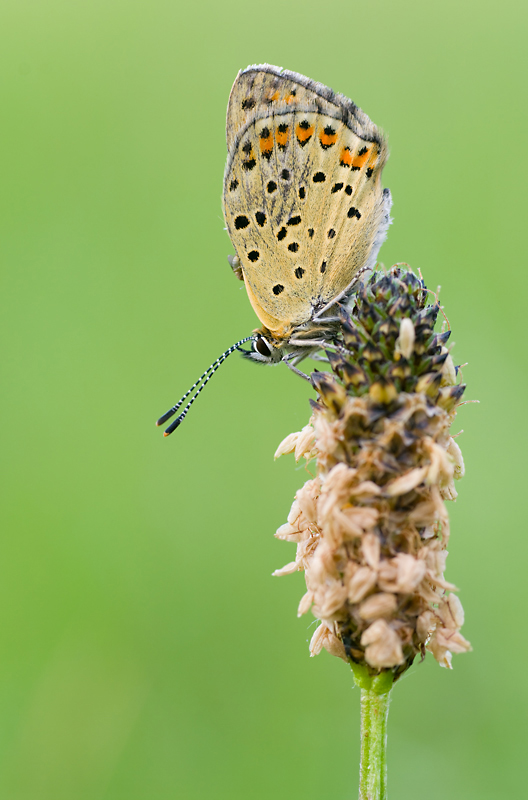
265,348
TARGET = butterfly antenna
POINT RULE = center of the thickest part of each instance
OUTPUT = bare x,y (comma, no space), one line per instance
202,381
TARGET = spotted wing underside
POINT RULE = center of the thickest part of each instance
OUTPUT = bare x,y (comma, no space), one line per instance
303,201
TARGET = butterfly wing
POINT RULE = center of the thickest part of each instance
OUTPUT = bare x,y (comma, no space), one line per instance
303,201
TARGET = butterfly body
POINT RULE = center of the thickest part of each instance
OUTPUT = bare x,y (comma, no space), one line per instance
303,202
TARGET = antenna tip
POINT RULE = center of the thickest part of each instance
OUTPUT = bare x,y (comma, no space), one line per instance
172,427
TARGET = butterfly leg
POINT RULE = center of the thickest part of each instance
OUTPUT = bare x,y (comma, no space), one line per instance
308,343
234,263
287,360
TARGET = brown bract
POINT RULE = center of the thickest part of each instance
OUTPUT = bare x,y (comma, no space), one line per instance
372,528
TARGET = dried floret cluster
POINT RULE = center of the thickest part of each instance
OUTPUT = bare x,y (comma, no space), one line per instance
372,527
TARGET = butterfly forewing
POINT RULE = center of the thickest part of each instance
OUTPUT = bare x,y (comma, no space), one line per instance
302,197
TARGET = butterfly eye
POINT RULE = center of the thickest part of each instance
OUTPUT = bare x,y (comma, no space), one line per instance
262,347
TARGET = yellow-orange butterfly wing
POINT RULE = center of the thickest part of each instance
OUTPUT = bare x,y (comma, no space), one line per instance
303,201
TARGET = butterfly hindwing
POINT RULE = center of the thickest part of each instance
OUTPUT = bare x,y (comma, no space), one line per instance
302,194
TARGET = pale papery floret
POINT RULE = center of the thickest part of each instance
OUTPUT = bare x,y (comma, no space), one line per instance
441,468
456,610
288,569
316,642
305,551
401,574
370,546
442,654
338,483
305,442
328,435
434,558
287,445
406,482
440,581
362,582
305,604
295,515
426,624
325,638
358,520
452,639
322,565
307,499
458,461
334,646
448,492
450,612
288,533
383,645
329,598
382,604
429,592
405,341
365,490
449,376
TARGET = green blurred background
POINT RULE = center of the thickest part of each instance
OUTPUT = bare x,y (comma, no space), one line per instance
145,650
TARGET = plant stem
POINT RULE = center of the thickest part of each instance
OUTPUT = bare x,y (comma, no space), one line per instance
375,698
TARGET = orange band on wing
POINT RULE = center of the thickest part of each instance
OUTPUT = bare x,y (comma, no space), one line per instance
303,133
282,136
327,139
361,158
266,144
346,157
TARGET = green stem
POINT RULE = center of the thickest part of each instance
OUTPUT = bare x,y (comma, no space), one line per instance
375,698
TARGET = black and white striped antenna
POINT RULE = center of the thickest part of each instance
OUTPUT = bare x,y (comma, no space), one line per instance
202,381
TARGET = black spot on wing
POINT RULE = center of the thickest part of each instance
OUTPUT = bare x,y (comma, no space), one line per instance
261,218
253,255
319,177
353,212
241,222
299,272
271,187
278,288
293,247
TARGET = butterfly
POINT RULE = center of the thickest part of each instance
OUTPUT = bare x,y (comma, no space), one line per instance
304,208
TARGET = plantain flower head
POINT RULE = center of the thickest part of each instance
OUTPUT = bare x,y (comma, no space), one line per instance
371,527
